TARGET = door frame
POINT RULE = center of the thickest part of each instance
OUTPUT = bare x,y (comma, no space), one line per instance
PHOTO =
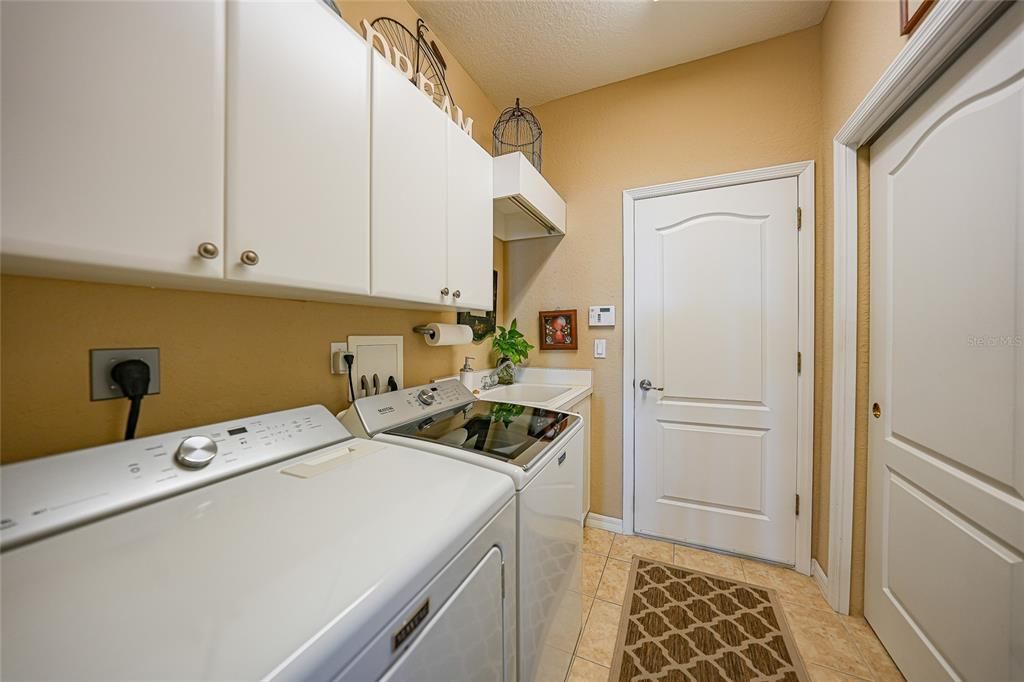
803,171
946,31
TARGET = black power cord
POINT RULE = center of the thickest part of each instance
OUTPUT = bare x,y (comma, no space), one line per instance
349,359
133,378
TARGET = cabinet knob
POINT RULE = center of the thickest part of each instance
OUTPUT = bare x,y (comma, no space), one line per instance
208,250
444,292
457,294
250,257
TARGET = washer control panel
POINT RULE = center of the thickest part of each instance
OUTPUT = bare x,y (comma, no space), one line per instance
379,413
45,495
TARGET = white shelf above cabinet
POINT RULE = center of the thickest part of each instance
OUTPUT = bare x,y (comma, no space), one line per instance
525,205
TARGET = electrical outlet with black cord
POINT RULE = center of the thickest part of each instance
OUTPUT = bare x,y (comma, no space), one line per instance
132,377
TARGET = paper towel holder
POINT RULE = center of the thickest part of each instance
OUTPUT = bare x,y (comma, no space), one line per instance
425,330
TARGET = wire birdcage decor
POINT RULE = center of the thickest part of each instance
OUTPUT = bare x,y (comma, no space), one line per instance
518,130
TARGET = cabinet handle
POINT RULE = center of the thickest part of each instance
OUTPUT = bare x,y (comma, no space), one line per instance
250,257
444,292
208,250
457,294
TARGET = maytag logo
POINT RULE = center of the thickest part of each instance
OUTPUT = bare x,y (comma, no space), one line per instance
385,410
409,627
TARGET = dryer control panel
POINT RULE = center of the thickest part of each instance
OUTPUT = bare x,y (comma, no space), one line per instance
379,413
43,496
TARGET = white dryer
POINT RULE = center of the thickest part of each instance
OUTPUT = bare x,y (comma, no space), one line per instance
541,451
273,547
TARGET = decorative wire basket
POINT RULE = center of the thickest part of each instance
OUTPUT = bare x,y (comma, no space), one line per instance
518,130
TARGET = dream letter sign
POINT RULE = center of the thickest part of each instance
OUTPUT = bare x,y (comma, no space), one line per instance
402,63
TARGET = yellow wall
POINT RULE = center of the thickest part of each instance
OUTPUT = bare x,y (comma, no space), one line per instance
222,356
751,107
858,41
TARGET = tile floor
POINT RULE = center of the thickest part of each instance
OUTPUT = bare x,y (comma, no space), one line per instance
835,648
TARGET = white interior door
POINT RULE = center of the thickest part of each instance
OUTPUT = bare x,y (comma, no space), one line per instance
716,335
945,539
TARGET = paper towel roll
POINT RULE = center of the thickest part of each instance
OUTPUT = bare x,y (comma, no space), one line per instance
448,334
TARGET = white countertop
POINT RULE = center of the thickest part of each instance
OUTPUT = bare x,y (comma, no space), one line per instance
578,384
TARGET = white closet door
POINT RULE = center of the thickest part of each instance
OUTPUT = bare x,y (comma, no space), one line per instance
298,152
113,137
945,538
408,191
470,222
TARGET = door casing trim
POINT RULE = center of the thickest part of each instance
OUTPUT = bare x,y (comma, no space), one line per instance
946,31
803,171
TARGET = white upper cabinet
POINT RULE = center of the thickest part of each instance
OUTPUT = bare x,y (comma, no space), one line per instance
243,146
298,148
470,230
408,191
113,138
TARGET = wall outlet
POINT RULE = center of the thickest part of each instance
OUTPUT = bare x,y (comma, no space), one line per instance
337,359
102,360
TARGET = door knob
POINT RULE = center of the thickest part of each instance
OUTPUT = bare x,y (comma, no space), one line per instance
208,250
646,385
444,292
250,257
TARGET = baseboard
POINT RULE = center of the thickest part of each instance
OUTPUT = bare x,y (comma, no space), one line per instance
819,576
603,522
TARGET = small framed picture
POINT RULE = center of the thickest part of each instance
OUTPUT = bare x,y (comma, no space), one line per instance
558,330
911,14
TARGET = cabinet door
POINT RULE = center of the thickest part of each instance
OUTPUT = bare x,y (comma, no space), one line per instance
298,147
113,138
470,221
408,225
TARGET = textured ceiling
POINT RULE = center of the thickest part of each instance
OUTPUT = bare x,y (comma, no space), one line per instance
540,50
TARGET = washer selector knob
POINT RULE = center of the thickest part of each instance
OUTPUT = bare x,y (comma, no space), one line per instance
426,397
195,452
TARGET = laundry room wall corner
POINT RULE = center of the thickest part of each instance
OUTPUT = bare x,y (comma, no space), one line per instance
640,132
858,42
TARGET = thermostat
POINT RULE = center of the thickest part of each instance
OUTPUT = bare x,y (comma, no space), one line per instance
602,316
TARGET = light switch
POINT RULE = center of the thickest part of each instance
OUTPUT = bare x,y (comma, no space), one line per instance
600,348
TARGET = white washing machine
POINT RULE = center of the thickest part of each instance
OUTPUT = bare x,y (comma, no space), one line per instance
273,547
541,451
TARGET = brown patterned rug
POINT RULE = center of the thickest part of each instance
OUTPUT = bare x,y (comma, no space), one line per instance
680,624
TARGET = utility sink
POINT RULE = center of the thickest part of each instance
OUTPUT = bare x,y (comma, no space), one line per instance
526,393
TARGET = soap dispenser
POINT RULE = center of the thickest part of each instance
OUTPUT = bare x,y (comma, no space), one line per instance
466,373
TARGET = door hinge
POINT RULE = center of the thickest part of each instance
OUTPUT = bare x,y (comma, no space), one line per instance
799,363
798,504
799,217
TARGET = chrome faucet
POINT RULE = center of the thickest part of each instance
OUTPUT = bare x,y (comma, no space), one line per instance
489,381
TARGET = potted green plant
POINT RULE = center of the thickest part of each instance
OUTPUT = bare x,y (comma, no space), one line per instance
512,348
